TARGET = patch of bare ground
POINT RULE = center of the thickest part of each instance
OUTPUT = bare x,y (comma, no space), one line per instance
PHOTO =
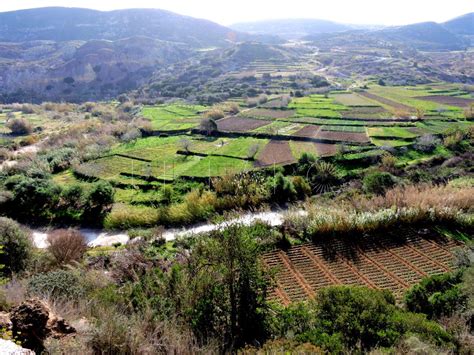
343,136
308,131
326,149
275,152
448,100
236,124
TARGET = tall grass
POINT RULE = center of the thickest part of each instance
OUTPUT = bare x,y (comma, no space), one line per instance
400,205
197,206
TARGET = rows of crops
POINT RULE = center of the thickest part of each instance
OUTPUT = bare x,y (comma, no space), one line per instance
392,263
271,134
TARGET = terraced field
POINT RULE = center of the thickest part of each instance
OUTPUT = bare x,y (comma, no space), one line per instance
392,263
319,124
173,117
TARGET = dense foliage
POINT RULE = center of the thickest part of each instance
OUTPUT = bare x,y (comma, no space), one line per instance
16,247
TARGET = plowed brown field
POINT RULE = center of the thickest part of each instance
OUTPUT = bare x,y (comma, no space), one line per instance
236,124
448,100
343,136
308,131
393,263
275,152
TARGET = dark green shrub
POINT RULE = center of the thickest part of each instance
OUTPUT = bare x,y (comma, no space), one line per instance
60,159
361,316
345,319
437,296
302,187
378,182
32,197
60,284
282,188
98,202
16,247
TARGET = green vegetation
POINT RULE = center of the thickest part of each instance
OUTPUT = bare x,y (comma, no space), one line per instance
173,117
16,249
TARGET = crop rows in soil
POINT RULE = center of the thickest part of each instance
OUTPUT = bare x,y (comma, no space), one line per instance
275,152
343,136
448,100
308,131
236,124
262,113
381,262
326,149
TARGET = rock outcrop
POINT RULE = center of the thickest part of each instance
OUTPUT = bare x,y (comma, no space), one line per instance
32,322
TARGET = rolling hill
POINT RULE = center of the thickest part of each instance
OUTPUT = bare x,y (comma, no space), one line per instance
462,25
68,24
424,36
81,70
291,28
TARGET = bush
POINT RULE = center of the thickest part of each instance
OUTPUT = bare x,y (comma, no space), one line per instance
360,315
209,125
437,296
33,196
17,247
59,285
378,182
215,114
345,319
302,187
98,202
19,126
282,188
67,245
60,159
427,143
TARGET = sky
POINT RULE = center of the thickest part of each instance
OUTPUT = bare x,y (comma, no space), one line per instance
225,12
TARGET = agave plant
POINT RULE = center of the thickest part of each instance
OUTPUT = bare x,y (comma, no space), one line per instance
323,176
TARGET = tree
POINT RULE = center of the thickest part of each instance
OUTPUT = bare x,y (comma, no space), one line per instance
420,113
185,144
209,125
16,247
233,255
214,114
33,196
98,202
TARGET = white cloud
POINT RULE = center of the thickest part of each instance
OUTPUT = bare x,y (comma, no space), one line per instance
227,12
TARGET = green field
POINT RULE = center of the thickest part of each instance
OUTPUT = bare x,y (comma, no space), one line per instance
157,158
173,117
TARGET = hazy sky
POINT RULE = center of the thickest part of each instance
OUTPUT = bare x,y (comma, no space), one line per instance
395,12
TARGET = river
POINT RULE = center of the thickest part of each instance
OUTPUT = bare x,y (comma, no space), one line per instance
99,237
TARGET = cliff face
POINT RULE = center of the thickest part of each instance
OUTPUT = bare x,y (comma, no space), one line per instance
81,70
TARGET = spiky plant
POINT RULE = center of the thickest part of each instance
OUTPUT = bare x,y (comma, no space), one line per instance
323,176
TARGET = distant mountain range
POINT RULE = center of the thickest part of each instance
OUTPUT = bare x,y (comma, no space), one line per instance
69,24
462,25
291,28
79,54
